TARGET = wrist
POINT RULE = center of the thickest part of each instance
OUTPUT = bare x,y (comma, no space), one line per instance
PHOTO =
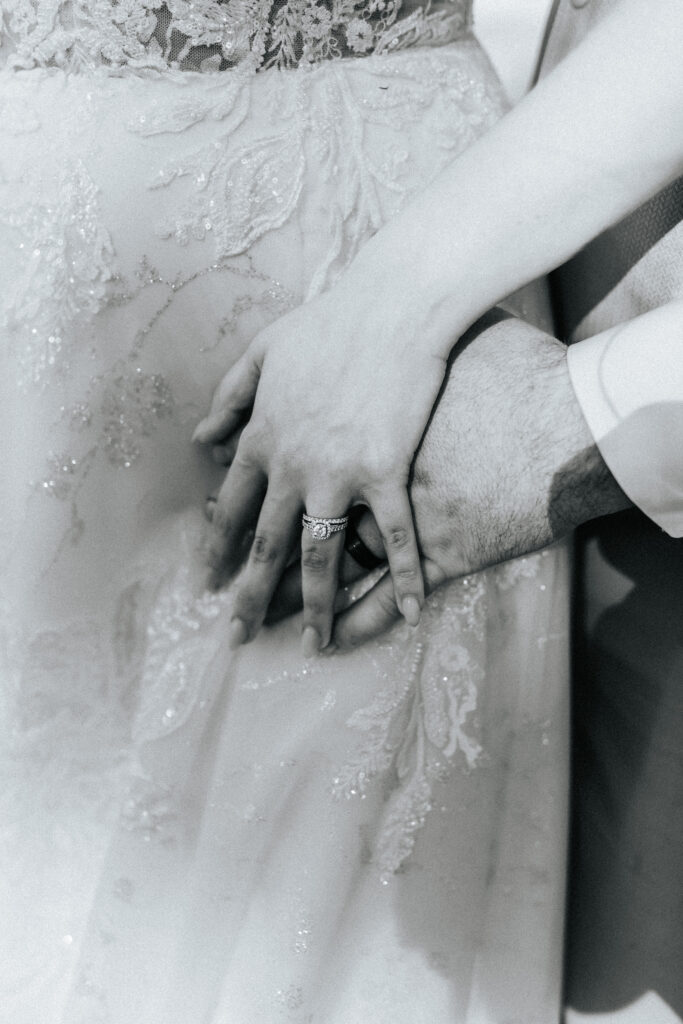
582,486
418,272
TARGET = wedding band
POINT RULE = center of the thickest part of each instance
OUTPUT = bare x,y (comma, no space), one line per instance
356,547
322,528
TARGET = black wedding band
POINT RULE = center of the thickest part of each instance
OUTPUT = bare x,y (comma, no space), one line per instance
358,550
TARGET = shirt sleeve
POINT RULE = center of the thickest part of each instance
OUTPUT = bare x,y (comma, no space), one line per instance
629,384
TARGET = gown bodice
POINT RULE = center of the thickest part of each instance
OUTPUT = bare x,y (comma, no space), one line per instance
212,35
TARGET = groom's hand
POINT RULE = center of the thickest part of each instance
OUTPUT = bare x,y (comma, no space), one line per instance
506,466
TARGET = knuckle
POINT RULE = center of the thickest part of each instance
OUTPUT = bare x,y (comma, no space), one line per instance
379,467
406,576
263,551
396,539
315,560
315,609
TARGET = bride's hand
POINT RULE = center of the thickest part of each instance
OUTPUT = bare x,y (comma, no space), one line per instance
341,395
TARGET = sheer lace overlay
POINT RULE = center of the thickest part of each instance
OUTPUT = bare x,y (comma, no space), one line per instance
164,801
211,35
229,192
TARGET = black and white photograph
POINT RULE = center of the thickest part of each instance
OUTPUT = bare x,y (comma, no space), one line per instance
341,521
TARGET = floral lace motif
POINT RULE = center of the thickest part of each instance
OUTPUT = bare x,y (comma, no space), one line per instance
417,725
239,192
423,724
210,35
355,126
64,261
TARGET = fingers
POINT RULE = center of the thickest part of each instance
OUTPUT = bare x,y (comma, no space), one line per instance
376,611
233,396
288,597
233,515
394,517
319,580
276,531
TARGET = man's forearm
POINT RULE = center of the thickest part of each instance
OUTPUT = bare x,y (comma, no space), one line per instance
508,463
535,439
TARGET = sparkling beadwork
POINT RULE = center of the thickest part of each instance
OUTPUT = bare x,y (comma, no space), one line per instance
117,375
132,403
190,36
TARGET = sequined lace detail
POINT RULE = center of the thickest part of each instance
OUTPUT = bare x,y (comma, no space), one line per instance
64,261
211,35
221,197
239,192
180,648
421,723
420,726
66,697
148,773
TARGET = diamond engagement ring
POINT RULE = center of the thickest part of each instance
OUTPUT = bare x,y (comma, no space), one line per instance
322,528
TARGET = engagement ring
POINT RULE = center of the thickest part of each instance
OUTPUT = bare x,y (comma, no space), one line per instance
322,528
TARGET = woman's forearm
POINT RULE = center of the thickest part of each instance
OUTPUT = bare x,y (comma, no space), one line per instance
589,144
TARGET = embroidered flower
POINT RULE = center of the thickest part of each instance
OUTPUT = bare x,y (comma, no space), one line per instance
162,33
316,23
359,35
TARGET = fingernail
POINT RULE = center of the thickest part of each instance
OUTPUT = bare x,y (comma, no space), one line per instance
238,634
410,607
310,642
330,649
198,430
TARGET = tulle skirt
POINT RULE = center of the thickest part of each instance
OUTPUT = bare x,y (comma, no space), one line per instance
191,835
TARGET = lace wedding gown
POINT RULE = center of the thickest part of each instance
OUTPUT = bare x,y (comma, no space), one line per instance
190,835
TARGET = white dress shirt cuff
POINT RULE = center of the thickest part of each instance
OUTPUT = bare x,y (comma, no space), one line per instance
629,384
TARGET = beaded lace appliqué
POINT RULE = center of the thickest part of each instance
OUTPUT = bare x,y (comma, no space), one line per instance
421,723
238,192
65,260
210,35
233,190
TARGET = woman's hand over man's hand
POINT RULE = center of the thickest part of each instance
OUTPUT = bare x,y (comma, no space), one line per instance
341,394
507,465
